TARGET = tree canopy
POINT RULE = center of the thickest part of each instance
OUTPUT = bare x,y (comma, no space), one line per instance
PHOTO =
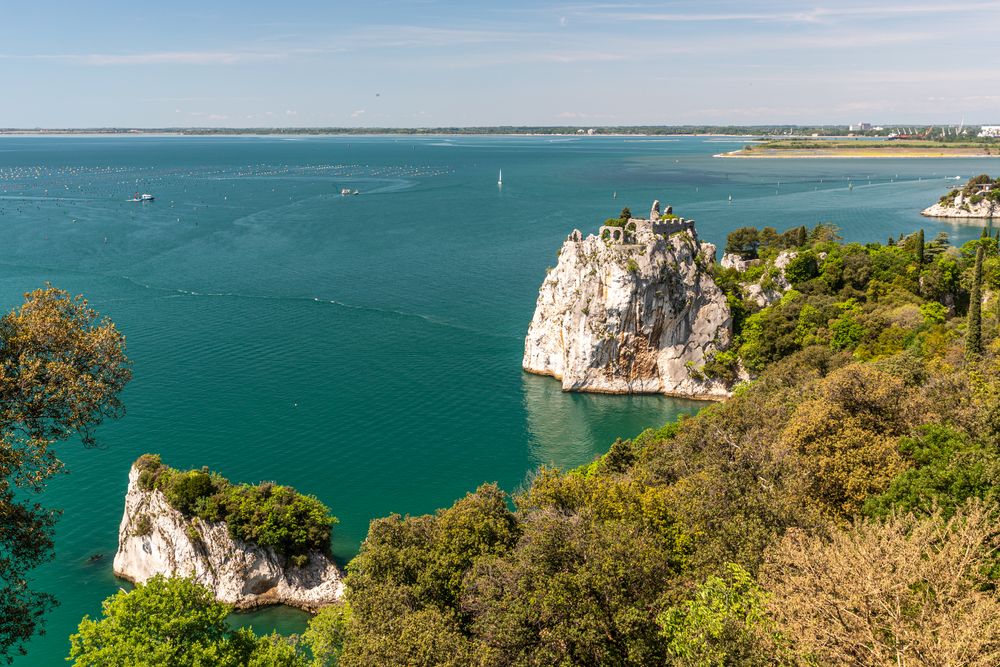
173,622
62,368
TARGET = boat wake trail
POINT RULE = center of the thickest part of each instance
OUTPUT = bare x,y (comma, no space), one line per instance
175,292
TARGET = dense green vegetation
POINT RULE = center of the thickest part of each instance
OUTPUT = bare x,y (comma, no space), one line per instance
840,509
977,189
266,514
870,300
177,623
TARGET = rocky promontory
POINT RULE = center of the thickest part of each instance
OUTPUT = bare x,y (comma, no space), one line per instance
155,537
633,309
979,198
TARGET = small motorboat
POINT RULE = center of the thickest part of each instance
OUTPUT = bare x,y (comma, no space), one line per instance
142,197
345,191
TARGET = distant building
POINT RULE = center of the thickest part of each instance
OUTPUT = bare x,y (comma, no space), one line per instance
989,131
861,127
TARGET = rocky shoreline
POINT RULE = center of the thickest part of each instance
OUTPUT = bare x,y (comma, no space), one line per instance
984,210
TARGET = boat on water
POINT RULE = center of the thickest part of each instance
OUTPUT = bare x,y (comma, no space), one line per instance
500,178
142,197
345,191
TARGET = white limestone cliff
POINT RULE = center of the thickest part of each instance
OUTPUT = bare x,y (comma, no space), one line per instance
773,284
961,206
631,310
154,538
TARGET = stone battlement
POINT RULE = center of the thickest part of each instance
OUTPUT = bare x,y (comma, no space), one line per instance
636,229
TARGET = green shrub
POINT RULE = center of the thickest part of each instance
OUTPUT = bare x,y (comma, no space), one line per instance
722,366
631,266
278,517
186,489
933,312
802,268
143,526
267,515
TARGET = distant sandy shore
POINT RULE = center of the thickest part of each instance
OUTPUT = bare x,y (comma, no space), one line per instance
898,152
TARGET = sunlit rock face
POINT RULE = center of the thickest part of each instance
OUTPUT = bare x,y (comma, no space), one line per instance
631,310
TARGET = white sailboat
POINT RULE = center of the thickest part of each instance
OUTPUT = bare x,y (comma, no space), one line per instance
500,178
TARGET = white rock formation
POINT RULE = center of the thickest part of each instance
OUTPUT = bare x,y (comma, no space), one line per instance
630,317
764,297
734,261
154,538
960,207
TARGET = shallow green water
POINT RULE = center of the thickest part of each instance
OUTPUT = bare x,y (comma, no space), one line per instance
364,349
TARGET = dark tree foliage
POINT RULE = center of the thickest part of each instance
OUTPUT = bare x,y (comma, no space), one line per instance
974,333
61,370
804,267
743,242
920,248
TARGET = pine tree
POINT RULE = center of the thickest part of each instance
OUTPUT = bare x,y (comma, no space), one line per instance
974,335
891,241
920,248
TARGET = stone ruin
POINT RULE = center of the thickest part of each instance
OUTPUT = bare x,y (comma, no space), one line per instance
637,229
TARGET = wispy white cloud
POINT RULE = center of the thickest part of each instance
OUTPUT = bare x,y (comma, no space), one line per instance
789,14
204,115
402,36
154,58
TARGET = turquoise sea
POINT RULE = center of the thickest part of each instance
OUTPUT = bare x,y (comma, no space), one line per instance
365,349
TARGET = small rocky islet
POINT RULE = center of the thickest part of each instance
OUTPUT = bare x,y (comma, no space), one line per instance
197,524
979,199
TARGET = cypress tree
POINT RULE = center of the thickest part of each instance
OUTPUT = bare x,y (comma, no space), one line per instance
974,335
920,248
985,234
891,241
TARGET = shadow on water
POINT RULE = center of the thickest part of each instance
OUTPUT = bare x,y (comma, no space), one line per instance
570,429
278,618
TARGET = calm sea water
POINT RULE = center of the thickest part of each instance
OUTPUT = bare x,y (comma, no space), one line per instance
365,349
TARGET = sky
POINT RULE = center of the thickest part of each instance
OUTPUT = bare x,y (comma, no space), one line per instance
439,63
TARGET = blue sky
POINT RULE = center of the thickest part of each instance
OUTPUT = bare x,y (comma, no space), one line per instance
440,63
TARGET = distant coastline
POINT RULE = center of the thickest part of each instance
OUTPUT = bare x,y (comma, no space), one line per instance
831,148
749,131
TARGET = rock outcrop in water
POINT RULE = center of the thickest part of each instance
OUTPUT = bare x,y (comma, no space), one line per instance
979,198
154,538
631,310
